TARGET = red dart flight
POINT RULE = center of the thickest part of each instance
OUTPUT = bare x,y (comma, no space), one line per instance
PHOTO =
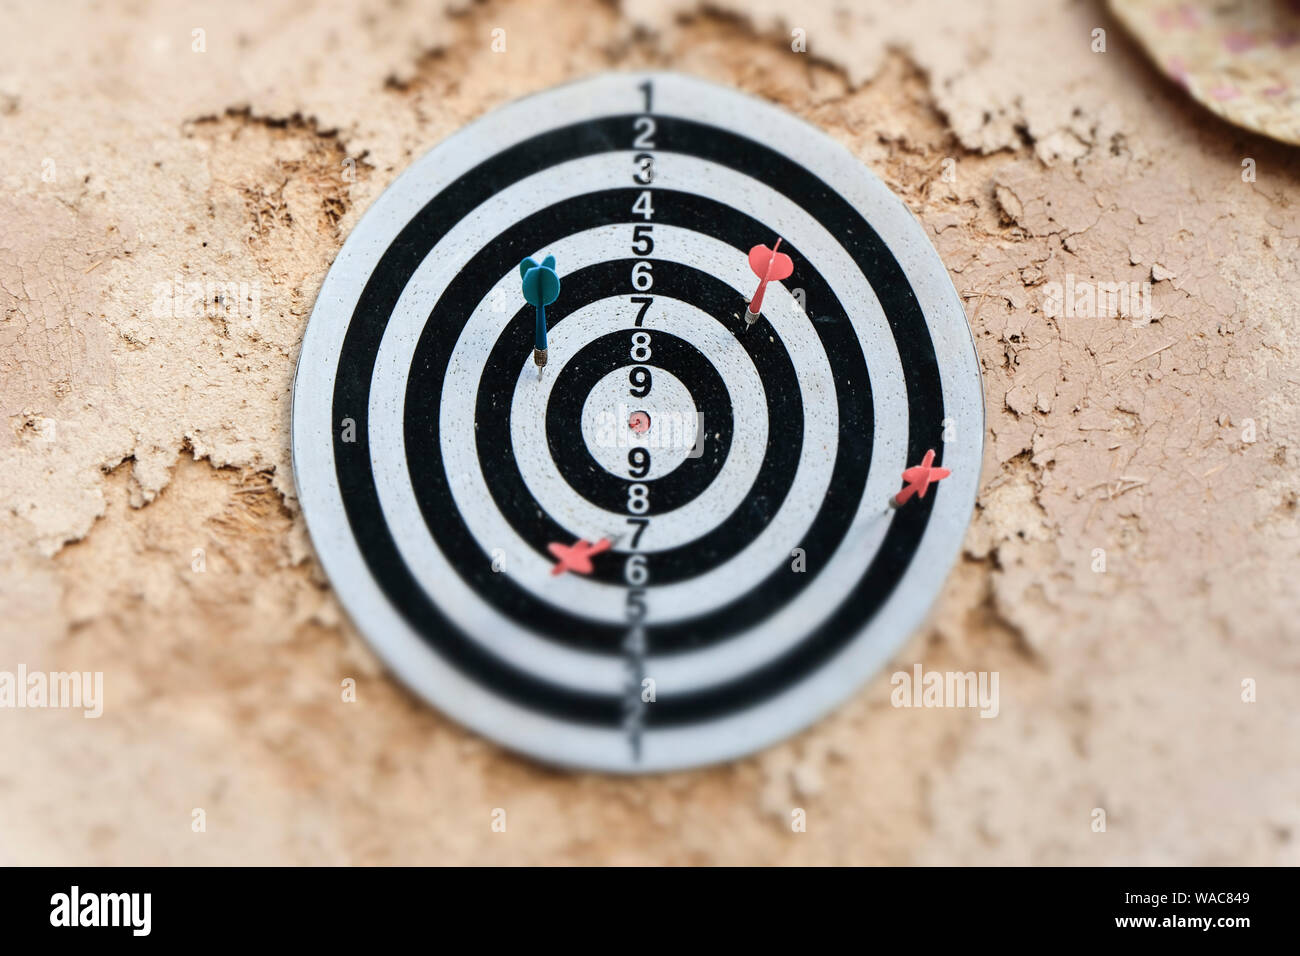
769,265
576,558
918,479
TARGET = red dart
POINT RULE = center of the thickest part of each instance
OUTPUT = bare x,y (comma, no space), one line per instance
769,265
918,479
576,557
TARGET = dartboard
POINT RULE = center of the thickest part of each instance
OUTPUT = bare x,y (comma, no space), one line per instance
602,416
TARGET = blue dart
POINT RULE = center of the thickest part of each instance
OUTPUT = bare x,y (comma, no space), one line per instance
541,288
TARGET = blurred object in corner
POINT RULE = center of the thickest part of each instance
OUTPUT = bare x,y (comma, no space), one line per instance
1239,58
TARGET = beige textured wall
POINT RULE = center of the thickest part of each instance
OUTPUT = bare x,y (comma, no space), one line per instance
131,440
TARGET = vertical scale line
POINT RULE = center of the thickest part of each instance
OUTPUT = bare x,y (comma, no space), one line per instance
638,500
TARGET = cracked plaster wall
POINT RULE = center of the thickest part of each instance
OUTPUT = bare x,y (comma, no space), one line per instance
134,438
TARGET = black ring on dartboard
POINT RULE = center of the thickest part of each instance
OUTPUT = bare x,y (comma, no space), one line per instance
568,446
375,306
511,495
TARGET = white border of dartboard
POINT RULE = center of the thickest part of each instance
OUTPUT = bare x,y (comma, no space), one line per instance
407,654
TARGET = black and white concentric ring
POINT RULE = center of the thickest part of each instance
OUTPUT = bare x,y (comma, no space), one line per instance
406,518
596,420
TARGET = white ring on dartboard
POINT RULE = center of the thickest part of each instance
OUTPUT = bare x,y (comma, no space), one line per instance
766,719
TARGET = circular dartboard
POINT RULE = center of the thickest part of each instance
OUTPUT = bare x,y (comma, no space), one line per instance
602,469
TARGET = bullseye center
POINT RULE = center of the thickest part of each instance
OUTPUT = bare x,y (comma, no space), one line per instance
640,423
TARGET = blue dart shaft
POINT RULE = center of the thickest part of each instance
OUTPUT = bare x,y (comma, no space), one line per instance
539,340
